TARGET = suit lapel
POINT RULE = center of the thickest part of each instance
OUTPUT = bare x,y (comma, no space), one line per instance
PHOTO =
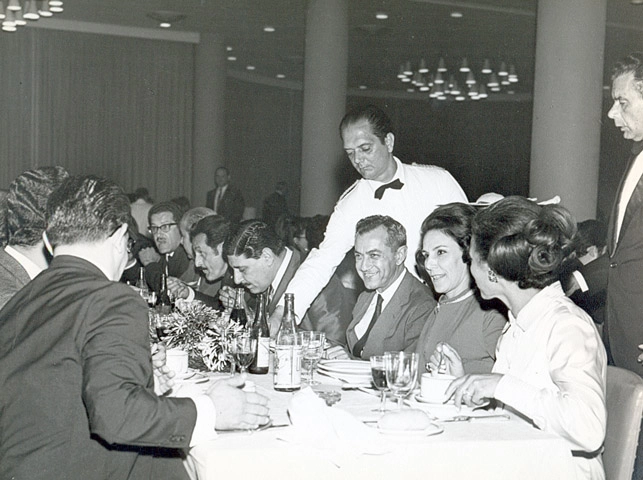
292,267
388,320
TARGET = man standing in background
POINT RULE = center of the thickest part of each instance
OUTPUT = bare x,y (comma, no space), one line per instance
226,200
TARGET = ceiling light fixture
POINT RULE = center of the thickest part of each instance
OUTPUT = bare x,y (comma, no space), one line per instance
456,15
477,82
166,18
381,16
268,29
18,13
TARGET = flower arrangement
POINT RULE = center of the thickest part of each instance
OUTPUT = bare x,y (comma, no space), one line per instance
203,332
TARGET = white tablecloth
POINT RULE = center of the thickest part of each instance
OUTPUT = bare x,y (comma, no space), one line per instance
480,449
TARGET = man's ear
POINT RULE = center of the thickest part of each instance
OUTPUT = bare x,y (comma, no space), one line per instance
268,256
400,255
117,237
389,141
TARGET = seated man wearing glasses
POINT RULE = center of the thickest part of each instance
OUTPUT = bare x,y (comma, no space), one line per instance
169,257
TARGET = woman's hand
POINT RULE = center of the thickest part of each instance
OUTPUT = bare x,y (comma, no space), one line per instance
473,390
445,360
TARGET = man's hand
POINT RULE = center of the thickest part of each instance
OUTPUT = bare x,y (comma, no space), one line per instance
148,255
177,288
473,390
226,296
163,376
337,353
235,408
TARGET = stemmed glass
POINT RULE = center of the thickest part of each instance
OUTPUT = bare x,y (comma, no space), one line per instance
378,372
401,373
312,350
244,350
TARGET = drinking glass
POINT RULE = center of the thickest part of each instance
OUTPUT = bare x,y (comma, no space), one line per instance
401,373
312,350
163,322
244,350
378,372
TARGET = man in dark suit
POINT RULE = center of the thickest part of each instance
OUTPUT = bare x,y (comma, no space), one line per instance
24,255
226,200
390,314
260,262
77,379
624,319
275,205
169,257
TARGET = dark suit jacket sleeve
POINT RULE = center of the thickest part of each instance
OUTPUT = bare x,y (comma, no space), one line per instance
118,385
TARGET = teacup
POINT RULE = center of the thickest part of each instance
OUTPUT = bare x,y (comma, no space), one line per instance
433,388
177,360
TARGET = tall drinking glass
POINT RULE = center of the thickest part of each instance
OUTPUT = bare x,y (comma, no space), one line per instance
401,373
378,372
312,350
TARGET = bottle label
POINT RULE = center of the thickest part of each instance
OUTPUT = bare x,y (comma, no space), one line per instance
287,366
263,352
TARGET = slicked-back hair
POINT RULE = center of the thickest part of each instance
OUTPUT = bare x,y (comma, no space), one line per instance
524,242
85,210
193,215
378,120
215,228
633,63
250,238
454,220
27,204
395,231
162,207
590,233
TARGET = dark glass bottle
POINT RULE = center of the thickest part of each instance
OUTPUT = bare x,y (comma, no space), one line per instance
261,335
238,313
164,303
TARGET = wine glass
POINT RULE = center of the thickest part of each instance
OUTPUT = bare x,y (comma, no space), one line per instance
378,372
163,322
401,373
244,350
312,350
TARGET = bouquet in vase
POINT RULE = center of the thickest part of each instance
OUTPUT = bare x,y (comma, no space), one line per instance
205,333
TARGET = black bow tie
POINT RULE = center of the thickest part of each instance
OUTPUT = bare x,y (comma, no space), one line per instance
395,185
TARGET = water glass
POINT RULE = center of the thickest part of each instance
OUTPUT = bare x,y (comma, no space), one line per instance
312,350
401,373
244,350
378,372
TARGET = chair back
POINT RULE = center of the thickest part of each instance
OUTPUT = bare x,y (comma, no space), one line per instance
624,412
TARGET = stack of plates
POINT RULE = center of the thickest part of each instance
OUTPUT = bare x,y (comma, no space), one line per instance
351,371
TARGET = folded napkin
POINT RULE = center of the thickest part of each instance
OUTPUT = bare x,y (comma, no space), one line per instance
331,430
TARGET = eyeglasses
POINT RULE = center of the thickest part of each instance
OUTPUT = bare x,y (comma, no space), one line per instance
163,228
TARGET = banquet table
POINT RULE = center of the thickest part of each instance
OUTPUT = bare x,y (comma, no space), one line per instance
500,447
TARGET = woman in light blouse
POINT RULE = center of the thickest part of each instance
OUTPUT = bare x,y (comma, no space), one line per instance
550,363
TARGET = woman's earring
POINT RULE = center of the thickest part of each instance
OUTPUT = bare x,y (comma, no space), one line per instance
491,275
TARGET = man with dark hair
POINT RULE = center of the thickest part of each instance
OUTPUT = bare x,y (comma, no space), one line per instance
141,202
260,262
388,187
24,255
275,205
173,260
77,380
390,314
226,199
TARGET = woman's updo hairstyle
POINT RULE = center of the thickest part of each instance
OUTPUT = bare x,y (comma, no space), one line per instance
525,242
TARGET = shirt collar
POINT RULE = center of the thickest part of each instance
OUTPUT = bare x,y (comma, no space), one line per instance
391,289
399,173
30,267
533,310
282,270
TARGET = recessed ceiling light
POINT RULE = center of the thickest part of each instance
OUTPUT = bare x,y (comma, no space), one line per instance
56,9
281,75
165,25
55,3
381,16
362,87
456,15
232,59
410,90
228,48
250,67
268,29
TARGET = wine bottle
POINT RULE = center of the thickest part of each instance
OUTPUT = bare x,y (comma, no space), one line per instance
164,302
287,359
238,313
261,335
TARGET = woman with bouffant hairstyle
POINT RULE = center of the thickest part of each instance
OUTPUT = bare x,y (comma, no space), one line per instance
550,363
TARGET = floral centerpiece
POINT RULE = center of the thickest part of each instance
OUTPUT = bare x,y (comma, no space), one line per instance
203,332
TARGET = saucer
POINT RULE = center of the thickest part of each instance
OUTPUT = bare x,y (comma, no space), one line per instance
432,429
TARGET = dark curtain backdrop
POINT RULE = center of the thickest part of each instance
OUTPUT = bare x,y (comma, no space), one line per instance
112,106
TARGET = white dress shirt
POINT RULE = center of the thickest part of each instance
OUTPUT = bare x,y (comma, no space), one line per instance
629,185
30,267
554,366
425,187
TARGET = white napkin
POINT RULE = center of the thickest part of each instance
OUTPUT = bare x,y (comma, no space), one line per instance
330,429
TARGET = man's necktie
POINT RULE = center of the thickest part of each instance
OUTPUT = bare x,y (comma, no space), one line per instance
395,185
359,346
217,200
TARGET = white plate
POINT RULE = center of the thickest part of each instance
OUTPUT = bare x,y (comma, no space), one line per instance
359,366
432,429
355,378
450,403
